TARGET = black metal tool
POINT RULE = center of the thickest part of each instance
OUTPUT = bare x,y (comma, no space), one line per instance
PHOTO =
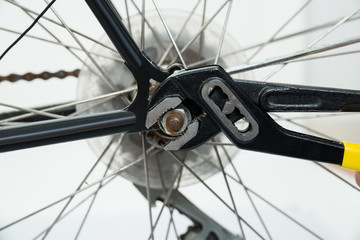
223,101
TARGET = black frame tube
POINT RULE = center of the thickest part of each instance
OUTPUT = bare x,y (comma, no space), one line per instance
63,130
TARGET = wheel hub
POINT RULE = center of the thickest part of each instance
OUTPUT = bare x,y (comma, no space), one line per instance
128,148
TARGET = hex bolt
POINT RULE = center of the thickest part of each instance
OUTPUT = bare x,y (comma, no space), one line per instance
175,121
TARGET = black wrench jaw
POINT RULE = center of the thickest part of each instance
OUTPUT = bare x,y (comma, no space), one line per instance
263,135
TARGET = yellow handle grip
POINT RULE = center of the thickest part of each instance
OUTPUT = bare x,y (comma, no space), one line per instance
351,157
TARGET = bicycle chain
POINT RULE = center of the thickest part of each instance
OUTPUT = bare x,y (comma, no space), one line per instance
44,76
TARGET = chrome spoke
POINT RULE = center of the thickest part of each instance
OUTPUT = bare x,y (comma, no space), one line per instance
168,230
214,193
79,187
337,176
283,213
77,206
177,175
61,25
128,16
104,76
168,49
247,193
223,32
156,35
142,36
315,116
281,60
304,127
146,172
118,59
118,145
318,39
60,42
201,38
107,97
169,33
325,56
248,189
262,46
198,33
114,174
171,219
219,143
33,111
229,190
288,36
93,195
238,180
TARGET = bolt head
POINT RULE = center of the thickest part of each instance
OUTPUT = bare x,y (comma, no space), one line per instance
174,122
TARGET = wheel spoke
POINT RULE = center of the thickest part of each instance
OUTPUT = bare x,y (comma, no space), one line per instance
322,36
114,174
156,35
228,188
337,176
248,189
316,116
214,193
68,46
79,187
142,36
223,32
93,195
118,145
219,143
177,175
105,97
128,16
325,56
104,76
198,33
285,37
171,219
34,111
61,25
168,49
238,180
146,172
201,39
169,33
283,59
248,195
262,46
283,213
76,206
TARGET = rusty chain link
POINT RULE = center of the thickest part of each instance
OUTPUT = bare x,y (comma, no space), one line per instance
44,76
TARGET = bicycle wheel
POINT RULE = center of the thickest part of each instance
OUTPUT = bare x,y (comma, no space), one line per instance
275,187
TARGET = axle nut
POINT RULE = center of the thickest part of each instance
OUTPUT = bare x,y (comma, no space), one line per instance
175,121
